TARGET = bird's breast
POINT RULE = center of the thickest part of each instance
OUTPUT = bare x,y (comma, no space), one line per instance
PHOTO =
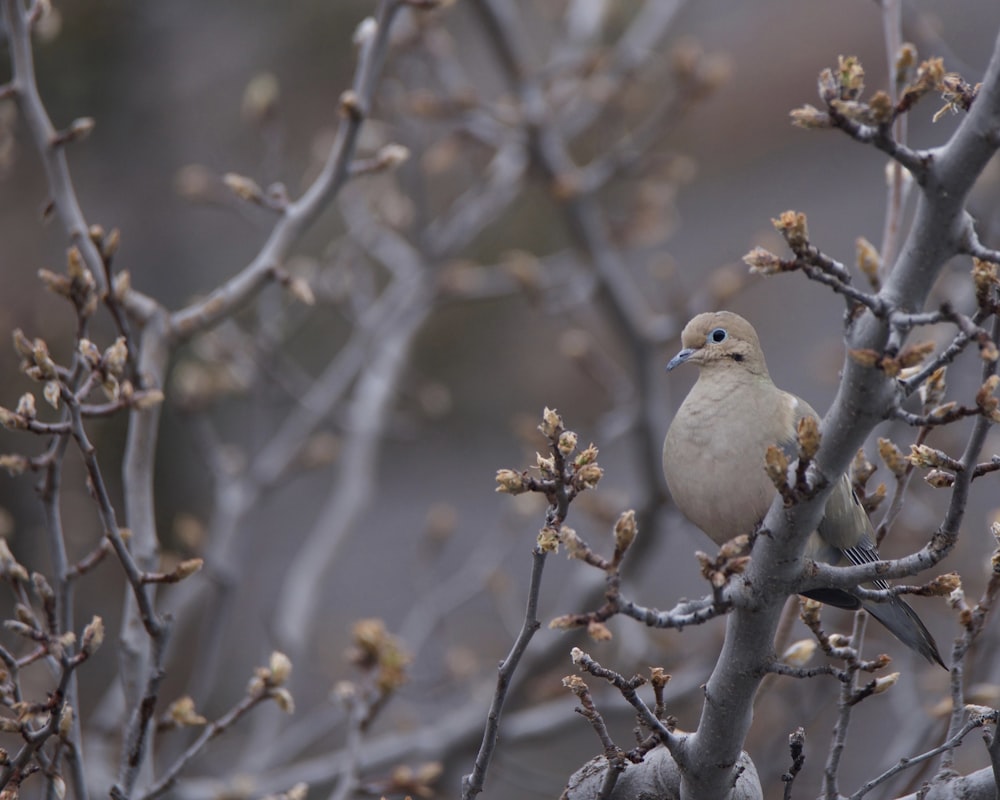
713,459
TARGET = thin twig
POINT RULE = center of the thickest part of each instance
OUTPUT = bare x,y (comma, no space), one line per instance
899,181
796,744
25,90
993,748
210,732
50,495
627,687
301,213
849,696
472,784
905,763
627,308
347,782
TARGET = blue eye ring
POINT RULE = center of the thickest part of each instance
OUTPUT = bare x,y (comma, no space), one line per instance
718,335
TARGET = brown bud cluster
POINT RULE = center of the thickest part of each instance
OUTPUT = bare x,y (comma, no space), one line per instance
792,226
940,479
880,109
869,260
776,464
551,425
598,631
809,116
243,187
928,78
14,463
957,93
546,465
933,389
625,531
809,610
548,540
93,636
567,442
892,366
36,362
77,284
182,713
846,84
808,437
986,399
861,468
575,546
944,585
799,653
764,262
865,356
892,456
404,781
926,457
730,560
377,651
589,475
986,280
511,482
915,354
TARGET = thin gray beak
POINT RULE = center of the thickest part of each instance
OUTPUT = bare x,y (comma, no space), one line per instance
680,358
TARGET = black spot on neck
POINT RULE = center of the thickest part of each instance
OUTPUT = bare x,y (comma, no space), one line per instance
738,357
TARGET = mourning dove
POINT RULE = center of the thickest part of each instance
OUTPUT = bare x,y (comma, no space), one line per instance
713,460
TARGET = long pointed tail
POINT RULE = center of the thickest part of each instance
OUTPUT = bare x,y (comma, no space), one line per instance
903,623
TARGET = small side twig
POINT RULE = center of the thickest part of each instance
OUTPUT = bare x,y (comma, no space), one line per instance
472,784
564,474
797,747
627,687
267,684
615,756
973,621
976,721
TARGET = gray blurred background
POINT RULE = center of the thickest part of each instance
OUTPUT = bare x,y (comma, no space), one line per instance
165,83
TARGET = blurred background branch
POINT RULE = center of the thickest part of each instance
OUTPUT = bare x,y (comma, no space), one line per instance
380,262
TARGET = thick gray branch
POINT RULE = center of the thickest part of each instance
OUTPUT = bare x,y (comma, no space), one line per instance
863,400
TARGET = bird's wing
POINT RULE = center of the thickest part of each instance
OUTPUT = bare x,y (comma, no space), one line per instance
865,552
845,525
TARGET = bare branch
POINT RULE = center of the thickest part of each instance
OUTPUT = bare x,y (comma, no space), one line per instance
472,784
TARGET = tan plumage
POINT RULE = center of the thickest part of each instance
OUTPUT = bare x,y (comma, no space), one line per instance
713,461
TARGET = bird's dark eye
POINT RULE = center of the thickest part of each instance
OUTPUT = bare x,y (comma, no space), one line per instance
718,335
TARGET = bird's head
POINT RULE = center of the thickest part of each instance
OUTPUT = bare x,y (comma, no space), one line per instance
720,340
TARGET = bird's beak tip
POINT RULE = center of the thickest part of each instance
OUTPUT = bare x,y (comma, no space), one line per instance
680,358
